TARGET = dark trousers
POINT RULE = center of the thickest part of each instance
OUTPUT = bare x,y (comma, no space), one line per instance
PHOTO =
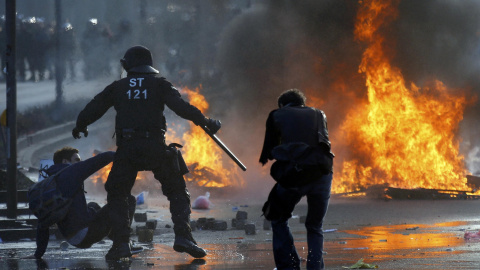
318,196
138,155
101,227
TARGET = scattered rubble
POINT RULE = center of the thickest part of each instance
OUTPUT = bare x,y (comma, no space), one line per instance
242,215
250,229
145,235
140,217
210,224
151,224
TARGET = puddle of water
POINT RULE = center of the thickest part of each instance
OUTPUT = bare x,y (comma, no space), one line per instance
411,236
396,242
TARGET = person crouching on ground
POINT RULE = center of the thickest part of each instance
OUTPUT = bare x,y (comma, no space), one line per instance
85,223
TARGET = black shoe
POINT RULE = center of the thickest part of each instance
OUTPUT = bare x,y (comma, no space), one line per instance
184,245
119,251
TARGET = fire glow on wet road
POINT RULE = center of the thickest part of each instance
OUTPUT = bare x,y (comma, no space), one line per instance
392,242
386,237
400,237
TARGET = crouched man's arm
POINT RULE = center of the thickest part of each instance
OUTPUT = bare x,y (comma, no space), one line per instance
42,242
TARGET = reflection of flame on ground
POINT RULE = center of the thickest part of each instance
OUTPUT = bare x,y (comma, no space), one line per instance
401,136
203,157
411,236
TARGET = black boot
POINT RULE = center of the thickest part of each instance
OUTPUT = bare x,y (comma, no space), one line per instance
183,244
119,251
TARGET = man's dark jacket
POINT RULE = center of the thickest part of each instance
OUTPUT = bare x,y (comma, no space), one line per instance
290,124
70,182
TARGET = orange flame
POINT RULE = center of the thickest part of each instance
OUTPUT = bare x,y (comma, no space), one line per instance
101,175
405,135
203,156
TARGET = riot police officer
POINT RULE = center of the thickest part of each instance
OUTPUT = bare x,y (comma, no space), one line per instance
139,100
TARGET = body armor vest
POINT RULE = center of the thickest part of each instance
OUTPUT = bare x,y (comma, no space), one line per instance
139,103
302,124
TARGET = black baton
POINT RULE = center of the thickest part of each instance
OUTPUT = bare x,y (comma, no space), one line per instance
225,148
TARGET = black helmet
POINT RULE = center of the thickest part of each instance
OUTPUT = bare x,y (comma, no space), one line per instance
138,59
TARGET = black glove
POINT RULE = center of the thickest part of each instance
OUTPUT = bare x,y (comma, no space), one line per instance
76,132
213,125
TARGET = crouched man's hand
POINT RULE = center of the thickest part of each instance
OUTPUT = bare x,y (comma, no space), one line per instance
213,125
76,132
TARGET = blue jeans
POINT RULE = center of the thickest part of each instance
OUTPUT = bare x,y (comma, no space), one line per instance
318,196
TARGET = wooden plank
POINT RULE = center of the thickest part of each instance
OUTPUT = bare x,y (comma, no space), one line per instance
473,181
17,234
425,194
21,196
20,211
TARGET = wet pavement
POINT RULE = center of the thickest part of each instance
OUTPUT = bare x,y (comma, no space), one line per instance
391,234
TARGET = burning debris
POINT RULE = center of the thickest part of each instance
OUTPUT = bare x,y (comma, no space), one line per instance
424,193
385,192
403,136
473,182
203,176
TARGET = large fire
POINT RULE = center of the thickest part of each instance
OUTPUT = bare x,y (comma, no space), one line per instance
203,157
405,135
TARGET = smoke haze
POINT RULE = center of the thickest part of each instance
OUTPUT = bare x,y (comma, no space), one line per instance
245,53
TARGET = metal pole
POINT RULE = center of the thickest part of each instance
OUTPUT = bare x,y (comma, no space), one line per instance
59,62
224,148
10,16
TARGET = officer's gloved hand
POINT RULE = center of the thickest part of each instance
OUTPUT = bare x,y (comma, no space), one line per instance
213,125
76,132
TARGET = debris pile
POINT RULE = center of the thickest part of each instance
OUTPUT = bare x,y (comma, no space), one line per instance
204,223
145,232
